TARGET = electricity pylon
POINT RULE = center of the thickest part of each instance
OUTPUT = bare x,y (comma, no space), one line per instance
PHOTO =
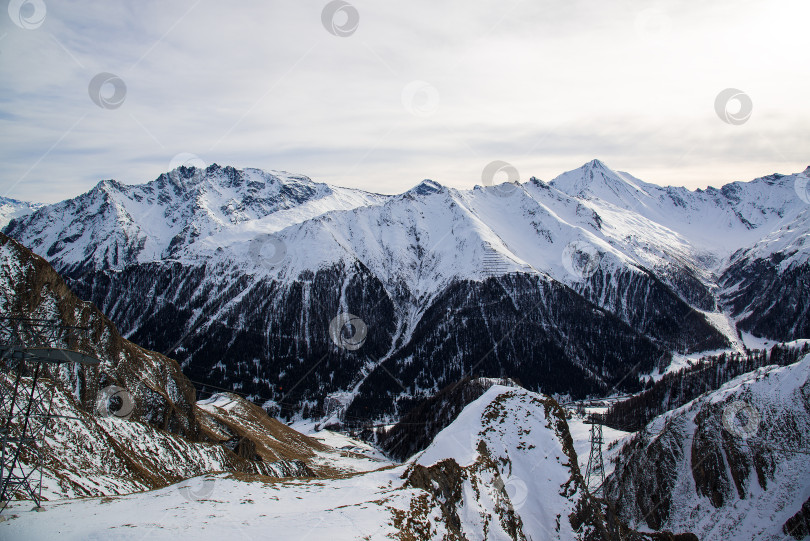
595,473
27,349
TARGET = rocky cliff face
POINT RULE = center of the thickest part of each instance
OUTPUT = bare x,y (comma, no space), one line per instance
161,395
731,464
88,454
506,469
769,296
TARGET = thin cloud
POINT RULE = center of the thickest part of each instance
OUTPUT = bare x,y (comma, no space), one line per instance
545,86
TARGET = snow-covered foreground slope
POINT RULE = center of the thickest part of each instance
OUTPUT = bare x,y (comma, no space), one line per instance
504,470
224,507
732,464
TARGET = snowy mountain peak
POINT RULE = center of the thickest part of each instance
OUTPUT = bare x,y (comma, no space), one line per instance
427,187
108,186
596,179
597,164
162,218
218,178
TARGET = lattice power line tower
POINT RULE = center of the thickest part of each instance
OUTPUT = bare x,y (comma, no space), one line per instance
595,473
28,347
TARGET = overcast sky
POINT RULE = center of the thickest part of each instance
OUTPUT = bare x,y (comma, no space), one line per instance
381,94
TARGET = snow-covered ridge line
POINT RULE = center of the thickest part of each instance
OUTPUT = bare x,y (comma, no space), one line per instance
193,215
221,252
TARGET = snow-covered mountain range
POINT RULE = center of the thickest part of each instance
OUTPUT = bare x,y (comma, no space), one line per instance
321,300
13,208
505,465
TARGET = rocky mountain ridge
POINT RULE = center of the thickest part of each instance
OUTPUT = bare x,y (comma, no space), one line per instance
249,279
